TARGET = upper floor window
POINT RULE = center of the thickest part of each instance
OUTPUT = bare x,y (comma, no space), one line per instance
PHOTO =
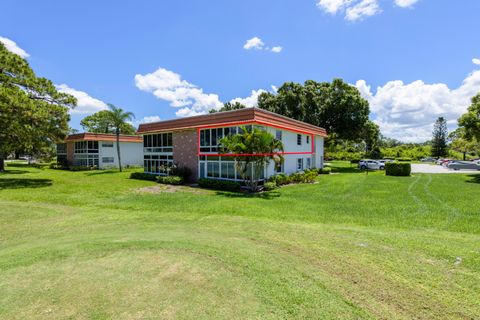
299,139
278,135
160,142
107,144
308,139
86,147
61,148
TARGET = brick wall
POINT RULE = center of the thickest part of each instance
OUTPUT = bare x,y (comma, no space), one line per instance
185,150
70,151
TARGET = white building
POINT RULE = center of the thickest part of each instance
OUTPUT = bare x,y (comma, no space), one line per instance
194,142
100,150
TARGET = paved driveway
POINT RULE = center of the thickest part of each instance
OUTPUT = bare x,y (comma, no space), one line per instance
434,168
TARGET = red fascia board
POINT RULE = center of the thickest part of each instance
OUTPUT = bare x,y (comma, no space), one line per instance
250,154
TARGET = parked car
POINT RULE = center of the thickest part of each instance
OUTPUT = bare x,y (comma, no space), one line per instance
385,160
428,159
463,165
371,164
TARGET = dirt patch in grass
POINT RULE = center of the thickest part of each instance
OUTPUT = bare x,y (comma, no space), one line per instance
166,188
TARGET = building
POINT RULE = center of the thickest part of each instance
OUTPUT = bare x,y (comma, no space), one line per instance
100,150
194,142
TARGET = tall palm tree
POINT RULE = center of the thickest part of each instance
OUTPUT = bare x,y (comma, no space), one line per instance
119,118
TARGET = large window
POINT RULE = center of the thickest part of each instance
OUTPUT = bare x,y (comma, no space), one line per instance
157,143
299,139
157,164
108,159
61,148
300,164
86,147
86,160
107,144
223,168
210,138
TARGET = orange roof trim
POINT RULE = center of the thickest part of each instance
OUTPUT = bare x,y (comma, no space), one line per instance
247,115
103,137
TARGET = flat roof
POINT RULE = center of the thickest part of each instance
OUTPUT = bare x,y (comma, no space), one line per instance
87,136
234,117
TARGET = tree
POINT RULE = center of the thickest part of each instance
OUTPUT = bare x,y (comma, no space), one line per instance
336,106
253,149
470,121
118,118
460,143
229,106
33,114
101,122
439,141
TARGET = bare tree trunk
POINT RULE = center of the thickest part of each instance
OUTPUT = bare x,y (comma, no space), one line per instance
2,163
118,150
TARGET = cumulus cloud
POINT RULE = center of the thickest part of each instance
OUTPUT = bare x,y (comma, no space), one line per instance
257,44
476,61
405,3
13,47
407,111
252,100
150,119
356,10
169,86
85,103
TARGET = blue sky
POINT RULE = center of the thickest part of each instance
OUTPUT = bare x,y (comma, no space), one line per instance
414,60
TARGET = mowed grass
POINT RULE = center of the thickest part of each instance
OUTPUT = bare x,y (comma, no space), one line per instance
97,245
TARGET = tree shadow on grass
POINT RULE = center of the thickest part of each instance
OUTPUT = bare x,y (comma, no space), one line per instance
99,172
270,195
24,183
474,178
14,171
346,170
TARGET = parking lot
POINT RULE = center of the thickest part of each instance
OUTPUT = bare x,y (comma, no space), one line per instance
433,168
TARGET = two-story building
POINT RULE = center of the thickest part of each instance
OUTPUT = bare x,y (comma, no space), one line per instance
100,150
194,142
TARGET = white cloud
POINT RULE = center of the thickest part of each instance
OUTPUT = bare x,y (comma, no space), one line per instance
407,111
405,3
254,43
364,8
257,44
169,86
476,61
150,119
356,10
251,101
277,49
85,103
13,47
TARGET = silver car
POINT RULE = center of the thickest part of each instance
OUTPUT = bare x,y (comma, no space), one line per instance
463,165
371,165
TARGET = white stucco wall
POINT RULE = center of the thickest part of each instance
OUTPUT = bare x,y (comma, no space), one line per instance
130,152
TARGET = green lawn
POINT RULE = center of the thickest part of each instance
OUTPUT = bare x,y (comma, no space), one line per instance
97,245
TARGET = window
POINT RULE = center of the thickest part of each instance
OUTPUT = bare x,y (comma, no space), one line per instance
299,139
86,147
157,164
308,139
62,148
158,143
107,144
107,159
85,160
223,168
309,162
278,167
278,135
300,164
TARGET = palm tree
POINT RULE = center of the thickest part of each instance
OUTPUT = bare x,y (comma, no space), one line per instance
119,118
253,149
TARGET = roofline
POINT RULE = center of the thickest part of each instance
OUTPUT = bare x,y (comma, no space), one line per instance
90,136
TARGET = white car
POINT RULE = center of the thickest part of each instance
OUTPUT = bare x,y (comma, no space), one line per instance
371,165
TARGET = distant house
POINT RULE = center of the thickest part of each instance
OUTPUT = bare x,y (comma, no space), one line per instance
100,150
194,142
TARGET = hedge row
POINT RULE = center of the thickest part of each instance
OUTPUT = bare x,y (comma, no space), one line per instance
175,180
143,176
398,169
223,185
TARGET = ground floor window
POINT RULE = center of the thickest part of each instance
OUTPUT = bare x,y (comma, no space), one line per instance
279,167
107,159
300,164
226,168
309,162
157,164
85,160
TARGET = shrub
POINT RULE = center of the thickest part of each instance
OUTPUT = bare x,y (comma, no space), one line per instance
354,161
326,170
310,176
404,159
175,180
143,176
223,185
297,177
397,169
269,186
82,168
182,171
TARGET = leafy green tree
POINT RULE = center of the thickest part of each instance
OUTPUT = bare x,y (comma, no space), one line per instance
229,106
118,118
439,141
101,122
253,149
336,106
33,114
470,121
460,142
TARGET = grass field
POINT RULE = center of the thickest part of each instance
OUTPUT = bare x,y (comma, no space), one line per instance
97,245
